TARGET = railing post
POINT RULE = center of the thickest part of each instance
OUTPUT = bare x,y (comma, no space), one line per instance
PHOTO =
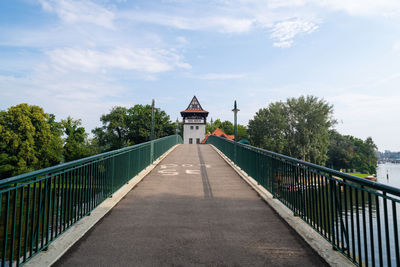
112,176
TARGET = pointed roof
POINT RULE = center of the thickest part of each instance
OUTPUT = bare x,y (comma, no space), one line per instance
194,107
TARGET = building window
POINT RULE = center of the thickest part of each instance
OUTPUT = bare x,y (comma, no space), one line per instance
191,127
197,127
197,140
190,140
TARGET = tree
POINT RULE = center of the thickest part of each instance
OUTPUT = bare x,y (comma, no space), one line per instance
298,127
242,132
349,152
76,144
124,127
30,139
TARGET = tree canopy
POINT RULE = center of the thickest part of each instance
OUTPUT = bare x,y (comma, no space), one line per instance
298,127
76,143
128,126
30,139
349,152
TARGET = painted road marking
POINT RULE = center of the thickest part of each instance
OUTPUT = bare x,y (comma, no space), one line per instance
170,168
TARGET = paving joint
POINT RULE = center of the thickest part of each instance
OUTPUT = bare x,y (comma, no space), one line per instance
65,241
313,239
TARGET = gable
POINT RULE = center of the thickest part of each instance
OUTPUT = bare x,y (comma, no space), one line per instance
194,104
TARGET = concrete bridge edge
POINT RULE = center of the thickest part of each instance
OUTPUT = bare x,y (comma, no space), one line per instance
317,242
64,242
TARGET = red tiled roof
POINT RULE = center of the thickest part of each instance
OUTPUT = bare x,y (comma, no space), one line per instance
220,133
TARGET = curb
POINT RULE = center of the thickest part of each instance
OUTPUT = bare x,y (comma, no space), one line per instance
65,241
313,239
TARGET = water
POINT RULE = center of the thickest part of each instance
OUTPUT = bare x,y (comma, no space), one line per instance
394,174
388,174
363,238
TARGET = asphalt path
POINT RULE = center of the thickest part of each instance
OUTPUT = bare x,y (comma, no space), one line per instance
193,209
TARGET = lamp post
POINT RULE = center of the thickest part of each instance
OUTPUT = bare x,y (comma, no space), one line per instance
153,109
211,125
235,111
152,120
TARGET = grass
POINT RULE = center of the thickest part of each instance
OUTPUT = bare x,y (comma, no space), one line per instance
361,175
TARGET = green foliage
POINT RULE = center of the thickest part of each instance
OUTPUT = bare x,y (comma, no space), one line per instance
228,128
76,144
30,139
124,127
349,152
298,127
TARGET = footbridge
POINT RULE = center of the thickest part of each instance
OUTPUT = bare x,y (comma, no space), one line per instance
163,203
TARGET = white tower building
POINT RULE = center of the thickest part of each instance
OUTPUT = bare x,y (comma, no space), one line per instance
194,123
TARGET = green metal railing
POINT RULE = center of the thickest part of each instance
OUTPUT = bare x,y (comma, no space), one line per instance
357,216
37,207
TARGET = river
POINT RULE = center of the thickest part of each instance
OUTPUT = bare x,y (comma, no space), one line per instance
388,174
391,169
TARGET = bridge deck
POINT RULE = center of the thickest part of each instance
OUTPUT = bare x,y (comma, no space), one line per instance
192,209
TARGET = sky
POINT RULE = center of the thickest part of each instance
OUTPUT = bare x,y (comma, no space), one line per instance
80,58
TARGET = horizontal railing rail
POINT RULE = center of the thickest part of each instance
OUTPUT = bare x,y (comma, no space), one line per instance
357,216
39,206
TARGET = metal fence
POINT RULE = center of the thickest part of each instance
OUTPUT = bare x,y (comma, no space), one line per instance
357,216
37,207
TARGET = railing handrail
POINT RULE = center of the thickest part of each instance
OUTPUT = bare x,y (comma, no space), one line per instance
376,185
26,176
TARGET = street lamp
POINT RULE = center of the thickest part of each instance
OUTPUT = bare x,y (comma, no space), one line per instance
235,111
153,110
152,120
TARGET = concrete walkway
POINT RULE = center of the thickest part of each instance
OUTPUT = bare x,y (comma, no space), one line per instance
192,209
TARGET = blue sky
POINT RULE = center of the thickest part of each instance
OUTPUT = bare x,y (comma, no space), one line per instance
80,58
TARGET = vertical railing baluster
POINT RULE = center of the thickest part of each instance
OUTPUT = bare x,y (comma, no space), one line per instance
371,230
5,230
347,251
21,214
27,215
13,226
32,232
396,233
387,234
43,217
364,224
58,206
378,221
353,240
360,258
39,215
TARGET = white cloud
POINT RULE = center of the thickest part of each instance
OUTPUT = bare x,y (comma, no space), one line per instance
219,22
74,11
284,32
218,76
90,60
387,8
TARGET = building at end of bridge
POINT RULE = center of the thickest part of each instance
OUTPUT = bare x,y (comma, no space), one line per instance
194,122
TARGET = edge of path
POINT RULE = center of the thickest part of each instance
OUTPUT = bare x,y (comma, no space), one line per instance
313,239
64,242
